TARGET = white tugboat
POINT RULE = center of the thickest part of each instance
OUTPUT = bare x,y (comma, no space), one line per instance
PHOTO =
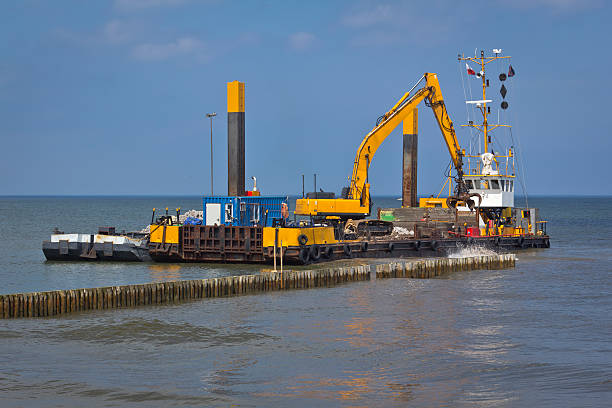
491,173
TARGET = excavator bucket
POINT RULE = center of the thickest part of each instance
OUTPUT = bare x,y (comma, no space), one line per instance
468,199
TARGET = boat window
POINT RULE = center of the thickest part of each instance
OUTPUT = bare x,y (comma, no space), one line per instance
477,184
468,183
511,186
254,213
503,184
228,212
484,184
495,184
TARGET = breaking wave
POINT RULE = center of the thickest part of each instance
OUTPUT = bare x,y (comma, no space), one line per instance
469,251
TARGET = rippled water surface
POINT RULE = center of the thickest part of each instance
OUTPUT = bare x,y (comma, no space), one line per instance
535,335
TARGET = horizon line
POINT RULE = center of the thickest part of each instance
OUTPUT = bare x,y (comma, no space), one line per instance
224,195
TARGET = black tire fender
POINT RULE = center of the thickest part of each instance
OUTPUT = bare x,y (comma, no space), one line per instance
417,245
315,252
497,241
302,239
434,245
521,241
326,252
304,255
347,250
391,247
364,247
547,243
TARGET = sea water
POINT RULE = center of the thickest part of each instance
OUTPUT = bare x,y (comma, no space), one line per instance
535,335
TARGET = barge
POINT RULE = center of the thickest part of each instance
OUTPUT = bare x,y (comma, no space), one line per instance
106,245
247,227
306,245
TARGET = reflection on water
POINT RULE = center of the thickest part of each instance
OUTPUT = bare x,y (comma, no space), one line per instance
354,386
359,332
164,272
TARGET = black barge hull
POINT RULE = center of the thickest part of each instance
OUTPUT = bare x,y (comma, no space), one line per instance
422,248
231,251
244,245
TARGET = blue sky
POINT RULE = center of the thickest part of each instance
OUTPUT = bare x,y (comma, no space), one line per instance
109,97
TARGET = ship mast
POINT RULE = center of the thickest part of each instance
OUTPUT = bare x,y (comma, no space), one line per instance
485,128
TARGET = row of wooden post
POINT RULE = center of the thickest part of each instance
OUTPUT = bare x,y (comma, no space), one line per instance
432,267
60,302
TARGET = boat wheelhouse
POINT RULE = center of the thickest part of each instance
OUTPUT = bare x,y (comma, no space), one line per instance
492,178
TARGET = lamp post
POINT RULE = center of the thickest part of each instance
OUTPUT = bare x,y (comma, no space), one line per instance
211,116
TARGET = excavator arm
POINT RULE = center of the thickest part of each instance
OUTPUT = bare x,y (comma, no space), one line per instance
436,103
432,94
356,202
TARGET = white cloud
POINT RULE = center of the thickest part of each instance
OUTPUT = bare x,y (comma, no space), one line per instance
130,5
369,17
116,32
301,41
434,22
184,46
392,23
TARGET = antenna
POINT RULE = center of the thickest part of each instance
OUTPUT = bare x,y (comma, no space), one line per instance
481,104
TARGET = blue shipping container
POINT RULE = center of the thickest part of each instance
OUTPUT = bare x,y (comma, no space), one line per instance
242,211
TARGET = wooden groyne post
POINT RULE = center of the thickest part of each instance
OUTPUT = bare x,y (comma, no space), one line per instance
61,302
432,267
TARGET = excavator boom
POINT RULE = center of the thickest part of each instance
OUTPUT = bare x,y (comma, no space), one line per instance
356,202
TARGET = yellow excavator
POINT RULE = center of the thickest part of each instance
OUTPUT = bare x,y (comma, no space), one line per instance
355,202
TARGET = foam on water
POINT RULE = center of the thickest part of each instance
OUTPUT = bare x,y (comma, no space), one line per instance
471,250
